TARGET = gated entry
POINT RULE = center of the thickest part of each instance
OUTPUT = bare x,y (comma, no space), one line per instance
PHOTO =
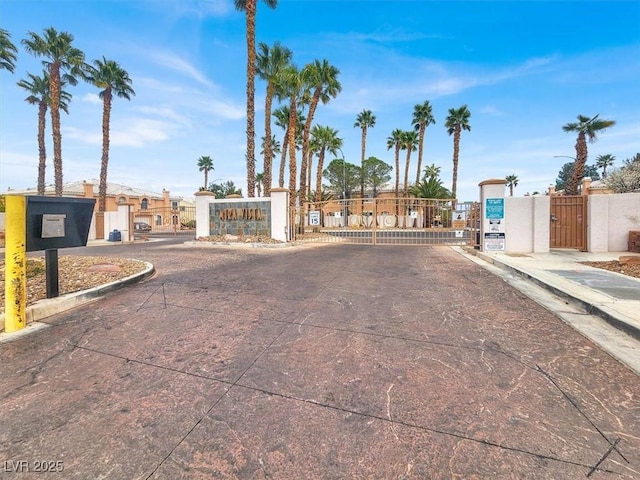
174,221
388,221
569,222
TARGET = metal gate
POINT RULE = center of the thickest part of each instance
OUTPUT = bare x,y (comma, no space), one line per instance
569,222
167,221
388,221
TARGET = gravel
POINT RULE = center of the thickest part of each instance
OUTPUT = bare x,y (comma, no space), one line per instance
74,274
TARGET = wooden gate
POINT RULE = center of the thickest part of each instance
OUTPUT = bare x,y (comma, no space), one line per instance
387,221
569,222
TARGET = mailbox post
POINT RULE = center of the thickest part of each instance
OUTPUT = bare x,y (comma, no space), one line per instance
40,223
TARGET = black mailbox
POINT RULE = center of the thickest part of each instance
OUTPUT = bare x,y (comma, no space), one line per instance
57,222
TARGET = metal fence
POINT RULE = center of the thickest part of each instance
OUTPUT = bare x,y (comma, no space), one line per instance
388,221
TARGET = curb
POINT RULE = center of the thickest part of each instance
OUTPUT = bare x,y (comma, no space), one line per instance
52,306
611,318
237,244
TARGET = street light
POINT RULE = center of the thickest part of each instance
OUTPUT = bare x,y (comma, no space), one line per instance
564,156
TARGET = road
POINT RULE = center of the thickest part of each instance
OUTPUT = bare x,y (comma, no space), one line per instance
338,361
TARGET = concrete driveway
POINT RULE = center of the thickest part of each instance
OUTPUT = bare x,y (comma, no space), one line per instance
315,362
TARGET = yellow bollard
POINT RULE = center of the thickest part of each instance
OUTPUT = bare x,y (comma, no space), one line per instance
15,260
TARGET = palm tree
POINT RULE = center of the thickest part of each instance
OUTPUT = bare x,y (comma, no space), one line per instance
64,63
512,181
291,85
259,183
457,120
395,141
326,140
422,118
586,128
274,146
282,120
38,89
431,171
112,79
269,63
249,7
205,164
409,143
431,187
322,78
365,119
604,161
7,51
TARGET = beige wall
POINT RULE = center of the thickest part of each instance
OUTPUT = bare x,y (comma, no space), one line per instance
610,218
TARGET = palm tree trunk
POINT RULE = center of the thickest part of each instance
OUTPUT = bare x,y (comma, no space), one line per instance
54,89
292,154
364,143
309,169
250,9
283,159
578,167
405,192
456,152
305,142
268,152
42,149
420,149
319,176
104,164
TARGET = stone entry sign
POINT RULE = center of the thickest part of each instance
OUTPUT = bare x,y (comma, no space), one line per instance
240,218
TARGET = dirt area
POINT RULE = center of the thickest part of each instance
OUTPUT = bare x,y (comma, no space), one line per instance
74,273
630,269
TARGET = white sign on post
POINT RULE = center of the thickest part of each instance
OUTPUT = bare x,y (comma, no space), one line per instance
314,218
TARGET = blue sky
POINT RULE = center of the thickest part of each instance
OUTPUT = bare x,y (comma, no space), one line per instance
523,68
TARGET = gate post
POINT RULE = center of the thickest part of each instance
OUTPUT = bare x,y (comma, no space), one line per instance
280,227
492,226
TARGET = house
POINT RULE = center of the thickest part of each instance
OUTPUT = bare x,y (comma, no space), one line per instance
157,209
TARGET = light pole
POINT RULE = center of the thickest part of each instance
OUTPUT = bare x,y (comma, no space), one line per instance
564,156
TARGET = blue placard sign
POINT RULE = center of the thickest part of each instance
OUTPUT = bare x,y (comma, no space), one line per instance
494,208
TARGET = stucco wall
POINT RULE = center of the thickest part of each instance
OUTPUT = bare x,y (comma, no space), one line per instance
610,218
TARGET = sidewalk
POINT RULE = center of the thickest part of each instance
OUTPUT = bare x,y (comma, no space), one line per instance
611,296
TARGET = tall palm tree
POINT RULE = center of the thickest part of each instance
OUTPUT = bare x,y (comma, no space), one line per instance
65,63
249,7
38,89
604,161
326,140
365,119
410,144
269,63
422,118
322,78
587,128
292,85
205,164
395,141
456,122
281,115
8,51
112,79
512,182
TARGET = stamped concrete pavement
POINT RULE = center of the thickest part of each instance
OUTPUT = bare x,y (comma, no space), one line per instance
315,362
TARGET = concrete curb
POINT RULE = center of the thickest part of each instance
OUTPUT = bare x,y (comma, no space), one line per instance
52,306
611,318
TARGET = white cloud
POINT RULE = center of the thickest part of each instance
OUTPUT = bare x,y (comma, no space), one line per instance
180,65
132,132
92,98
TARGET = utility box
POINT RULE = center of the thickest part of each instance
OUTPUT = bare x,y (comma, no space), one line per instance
57,222
115,236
